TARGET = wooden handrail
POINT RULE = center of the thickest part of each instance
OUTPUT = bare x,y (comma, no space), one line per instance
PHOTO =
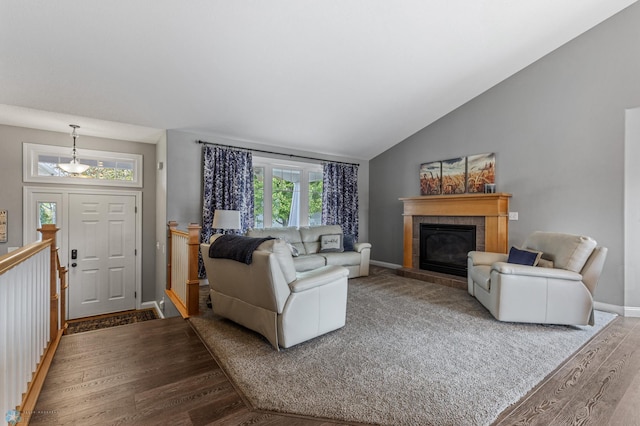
191,303
14,258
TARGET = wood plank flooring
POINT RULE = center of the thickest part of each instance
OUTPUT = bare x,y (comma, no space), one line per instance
151,373
159,372
599,385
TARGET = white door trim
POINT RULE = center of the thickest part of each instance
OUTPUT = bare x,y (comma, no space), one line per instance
29,220
631,295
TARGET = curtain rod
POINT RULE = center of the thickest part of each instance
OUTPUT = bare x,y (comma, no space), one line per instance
272,152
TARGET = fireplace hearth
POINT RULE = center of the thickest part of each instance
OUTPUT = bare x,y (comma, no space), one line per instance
444,248
489,213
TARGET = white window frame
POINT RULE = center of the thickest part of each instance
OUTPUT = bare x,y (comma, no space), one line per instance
31,152
272,163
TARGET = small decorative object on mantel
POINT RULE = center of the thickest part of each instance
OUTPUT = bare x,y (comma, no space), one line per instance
489,188
471,174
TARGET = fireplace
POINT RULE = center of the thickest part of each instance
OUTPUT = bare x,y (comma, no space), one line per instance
489,213
444,248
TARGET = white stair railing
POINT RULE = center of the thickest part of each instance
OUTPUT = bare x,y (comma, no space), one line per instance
29,318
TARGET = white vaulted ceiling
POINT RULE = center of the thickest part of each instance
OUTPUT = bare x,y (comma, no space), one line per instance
340,77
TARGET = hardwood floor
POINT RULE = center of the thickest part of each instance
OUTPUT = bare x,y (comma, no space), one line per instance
150,373
159,372
599,385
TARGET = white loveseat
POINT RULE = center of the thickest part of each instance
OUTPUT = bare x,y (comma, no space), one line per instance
560,292
268,296
306,241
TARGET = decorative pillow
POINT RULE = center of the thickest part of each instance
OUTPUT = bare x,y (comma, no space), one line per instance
544,263
293,249
331,243
348,242
524,257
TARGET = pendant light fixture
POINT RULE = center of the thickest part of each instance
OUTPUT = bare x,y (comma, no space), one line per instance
74,167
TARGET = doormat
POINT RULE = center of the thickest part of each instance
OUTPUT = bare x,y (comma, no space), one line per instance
110,320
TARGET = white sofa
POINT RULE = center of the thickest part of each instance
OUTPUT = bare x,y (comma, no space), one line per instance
306,240
271,298
560,292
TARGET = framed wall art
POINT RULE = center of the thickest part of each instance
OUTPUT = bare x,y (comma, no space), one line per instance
430,178
453,176
481,171
470,174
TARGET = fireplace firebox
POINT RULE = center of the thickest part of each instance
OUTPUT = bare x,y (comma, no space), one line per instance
444,248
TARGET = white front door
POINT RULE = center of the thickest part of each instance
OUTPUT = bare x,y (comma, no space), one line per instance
101,253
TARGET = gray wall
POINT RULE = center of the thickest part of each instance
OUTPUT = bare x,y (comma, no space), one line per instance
632,210
11,185
161,226
557,128
184,177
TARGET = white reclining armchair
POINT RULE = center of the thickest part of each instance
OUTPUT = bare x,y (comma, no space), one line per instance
559,290
269,297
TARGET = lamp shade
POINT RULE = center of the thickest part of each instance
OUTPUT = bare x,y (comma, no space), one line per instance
74,167
226,219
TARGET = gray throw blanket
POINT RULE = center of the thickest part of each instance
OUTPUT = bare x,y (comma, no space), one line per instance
235,247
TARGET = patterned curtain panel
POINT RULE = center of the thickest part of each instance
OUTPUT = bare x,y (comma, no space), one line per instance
227,185
340,196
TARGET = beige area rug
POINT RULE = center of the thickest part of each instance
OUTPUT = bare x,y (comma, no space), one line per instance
411,353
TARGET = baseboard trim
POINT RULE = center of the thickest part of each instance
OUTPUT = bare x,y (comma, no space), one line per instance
153,304
625,311
631,311
607,307
385,264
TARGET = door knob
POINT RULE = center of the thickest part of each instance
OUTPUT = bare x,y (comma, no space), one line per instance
74,264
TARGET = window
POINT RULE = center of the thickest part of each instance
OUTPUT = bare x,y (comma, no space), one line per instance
315,198
286,193
47,214
107,168
258,197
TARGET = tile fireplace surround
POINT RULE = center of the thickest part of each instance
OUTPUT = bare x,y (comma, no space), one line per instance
488,212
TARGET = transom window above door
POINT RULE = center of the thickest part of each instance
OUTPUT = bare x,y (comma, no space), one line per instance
105,168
